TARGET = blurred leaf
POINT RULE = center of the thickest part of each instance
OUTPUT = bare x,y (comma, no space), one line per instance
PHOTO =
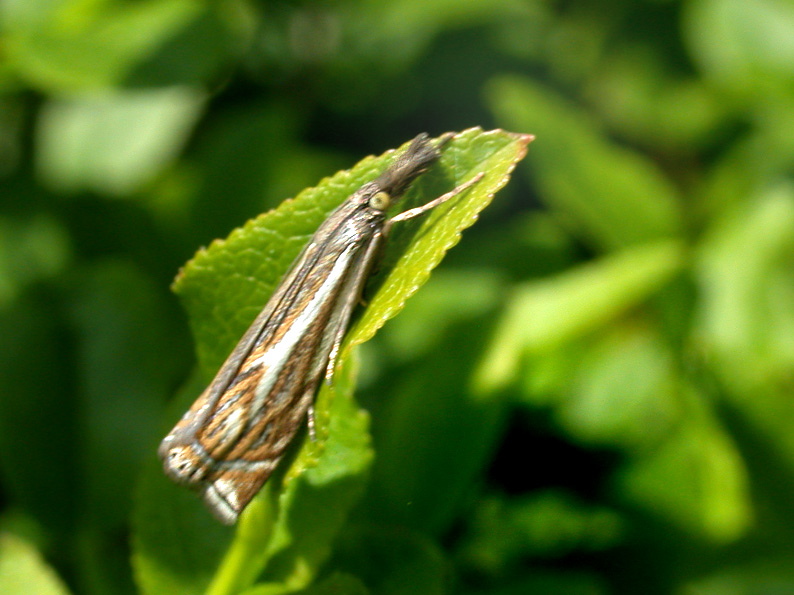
452,297
12,130
400,29
243,159
744,259
643,383
540,580
176,543
353,53
523,35
744,45
745,323
545,247
119,317
757,160
337,584
695,480
433,438
505,532
648,102
22,570
610,195
109,574
757,577
117,142
576,40
67,45
393,561
31,249
543,314
744,270
38,417
546,378
624,391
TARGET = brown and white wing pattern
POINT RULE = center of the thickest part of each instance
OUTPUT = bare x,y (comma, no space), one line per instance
230,441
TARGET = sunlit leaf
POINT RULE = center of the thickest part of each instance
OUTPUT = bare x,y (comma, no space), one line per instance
610,195
23,571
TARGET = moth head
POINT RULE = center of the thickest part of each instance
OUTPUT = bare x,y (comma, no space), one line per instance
182,464
410,164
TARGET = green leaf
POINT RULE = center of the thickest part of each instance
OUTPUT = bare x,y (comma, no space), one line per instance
624,391
696,480
743,268
225,286
663,111
70,45
744,45
395,32
220,185
118,315
505,531
544,314
115,143
288,529
612,196
23,571
744,318
495,153
758,160
31,250
452,298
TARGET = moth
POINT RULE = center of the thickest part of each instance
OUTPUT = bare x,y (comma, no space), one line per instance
231,439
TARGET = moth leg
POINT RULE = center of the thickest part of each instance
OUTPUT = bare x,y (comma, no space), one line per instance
356,280
411,213
310,423
334,355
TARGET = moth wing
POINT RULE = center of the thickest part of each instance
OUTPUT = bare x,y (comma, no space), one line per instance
204,406
240,471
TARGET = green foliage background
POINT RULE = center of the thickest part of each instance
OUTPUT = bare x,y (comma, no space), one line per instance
594,393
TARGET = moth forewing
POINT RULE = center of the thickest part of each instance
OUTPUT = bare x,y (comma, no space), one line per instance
230,441
182,468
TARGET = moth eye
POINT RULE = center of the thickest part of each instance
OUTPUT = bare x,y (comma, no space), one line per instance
380,201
